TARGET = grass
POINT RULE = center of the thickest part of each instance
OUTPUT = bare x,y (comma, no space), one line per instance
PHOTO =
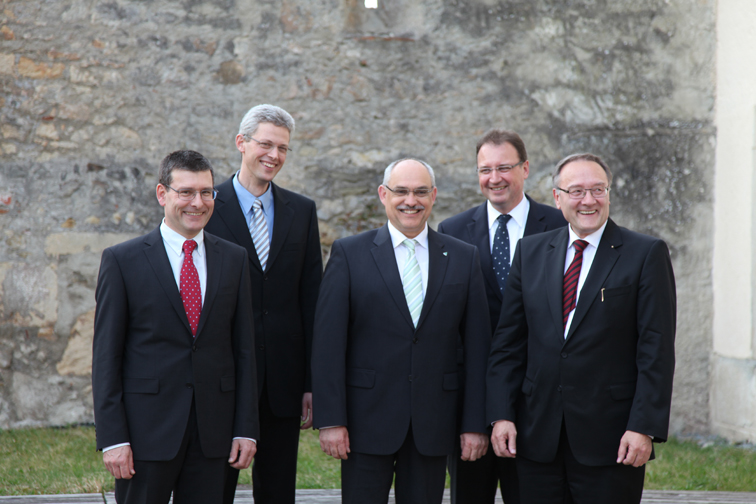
50,461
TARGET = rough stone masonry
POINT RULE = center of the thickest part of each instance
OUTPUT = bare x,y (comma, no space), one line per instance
94,93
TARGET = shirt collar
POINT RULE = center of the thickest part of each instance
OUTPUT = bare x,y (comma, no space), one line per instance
592,239
397,238
518,213
175,242
246,198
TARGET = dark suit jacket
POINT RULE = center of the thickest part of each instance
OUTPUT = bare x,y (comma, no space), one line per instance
471,226
373,372
613,372
284,296
147,367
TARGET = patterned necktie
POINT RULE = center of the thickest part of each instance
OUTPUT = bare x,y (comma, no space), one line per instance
191,294
258,228
500,253
413,283
571,277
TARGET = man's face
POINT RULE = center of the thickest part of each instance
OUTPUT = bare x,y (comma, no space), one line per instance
186,217
503,190
260,165
408,213
588,214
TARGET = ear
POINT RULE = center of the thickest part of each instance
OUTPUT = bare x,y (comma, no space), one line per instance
434,192
556,198
240,142
382,194
525,169
162,194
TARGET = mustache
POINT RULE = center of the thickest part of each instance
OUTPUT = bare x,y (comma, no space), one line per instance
407,207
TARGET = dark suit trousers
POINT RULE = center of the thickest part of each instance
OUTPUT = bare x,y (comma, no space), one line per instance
565,480
191,477
366,479
476,482
274,470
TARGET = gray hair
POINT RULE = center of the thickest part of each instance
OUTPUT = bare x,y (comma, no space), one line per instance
390,168
265,114
585,156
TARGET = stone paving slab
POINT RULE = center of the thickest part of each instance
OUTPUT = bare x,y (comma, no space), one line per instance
334,497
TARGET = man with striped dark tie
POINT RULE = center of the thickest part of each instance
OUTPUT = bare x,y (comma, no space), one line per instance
393,305
580,374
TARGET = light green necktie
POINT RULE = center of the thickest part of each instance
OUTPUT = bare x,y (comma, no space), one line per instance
413,283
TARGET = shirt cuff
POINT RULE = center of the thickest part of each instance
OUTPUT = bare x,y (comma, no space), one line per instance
115,446
247,438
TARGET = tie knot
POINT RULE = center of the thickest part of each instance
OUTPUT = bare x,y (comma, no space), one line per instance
410,244
257,205
503,219
189,246
580,245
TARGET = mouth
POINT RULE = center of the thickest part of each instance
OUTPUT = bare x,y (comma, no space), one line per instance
587,212
268,164
194,214
498,188
411,210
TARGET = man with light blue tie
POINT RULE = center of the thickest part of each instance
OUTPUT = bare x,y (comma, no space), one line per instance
393,304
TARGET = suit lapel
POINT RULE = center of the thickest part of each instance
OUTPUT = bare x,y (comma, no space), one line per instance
385,259
555,278
605,259
437,263
157,256
284,216
479,236
228,208
213,261
534,223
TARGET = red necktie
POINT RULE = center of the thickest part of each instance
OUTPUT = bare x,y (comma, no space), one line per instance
571,278
191,294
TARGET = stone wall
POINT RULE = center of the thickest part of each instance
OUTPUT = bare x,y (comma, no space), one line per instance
94,93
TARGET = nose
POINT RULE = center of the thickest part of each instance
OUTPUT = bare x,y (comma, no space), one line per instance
411,199
496,176
589,195
274,153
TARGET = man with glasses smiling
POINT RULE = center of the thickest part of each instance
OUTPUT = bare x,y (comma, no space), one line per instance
580,374
394,303
173,364
279,229
502,167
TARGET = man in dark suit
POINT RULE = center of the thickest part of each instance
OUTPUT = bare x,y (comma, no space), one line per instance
279,229
173,362
502,166
393,305
580,373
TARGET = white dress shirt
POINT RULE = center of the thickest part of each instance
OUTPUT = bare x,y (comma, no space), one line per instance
515,226
402,253
589,253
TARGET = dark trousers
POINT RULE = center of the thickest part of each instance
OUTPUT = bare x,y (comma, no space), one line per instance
366,479
476,482
565,480
193,478
274,470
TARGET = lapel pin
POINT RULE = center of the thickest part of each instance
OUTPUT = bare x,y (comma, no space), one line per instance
446,254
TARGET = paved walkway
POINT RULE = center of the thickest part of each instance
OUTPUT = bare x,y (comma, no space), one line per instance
334,497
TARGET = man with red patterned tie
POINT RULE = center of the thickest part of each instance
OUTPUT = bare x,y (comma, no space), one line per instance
580,373
173,363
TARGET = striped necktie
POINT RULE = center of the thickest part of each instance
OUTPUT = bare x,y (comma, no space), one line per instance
413,283
258,228
571,277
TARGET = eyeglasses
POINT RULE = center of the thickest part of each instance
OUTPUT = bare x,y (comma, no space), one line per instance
578,193
267,146
189,194
502,169
404,192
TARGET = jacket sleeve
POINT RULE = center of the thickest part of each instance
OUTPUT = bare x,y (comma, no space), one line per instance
309,287
246,421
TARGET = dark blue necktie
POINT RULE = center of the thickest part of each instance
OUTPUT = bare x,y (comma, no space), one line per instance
500,252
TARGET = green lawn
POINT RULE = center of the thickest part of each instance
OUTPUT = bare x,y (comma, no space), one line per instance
49,461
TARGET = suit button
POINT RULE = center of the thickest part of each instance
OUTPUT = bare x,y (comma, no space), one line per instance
265,277
411,377
265,312
261,347
564,355
189,385
194,348
414,341
559,388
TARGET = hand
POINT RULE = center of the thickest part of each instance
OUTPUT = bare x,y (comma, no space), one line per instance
120,462
474,445
634,449
504,439
242,452
334,441
306,410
